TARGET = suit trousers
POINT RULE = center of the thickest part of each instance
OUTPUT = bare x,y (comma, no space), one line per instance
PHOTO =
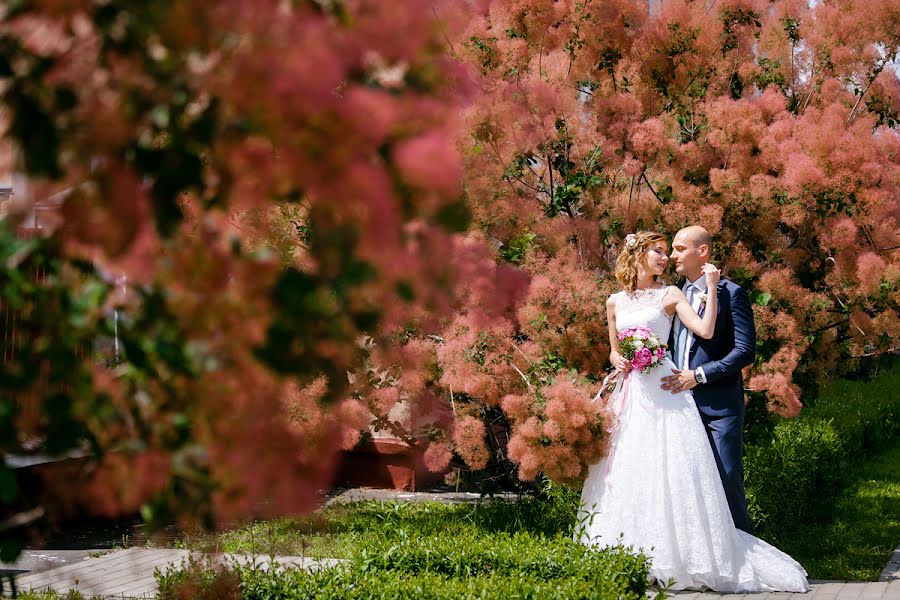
726,436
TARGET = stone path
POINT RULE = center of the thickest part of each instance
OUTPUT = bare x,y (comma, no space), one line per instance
35,561
892,570
821,590
129,573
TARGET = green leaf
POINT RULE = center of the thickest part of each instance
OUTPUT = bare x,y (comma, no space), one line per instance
760,298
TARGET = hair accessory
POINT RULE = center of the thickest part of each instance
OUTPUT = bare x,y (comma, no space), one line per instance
631,240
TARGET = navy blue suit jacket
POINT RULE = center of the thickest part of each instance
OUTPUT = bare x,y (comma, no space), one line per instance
731,348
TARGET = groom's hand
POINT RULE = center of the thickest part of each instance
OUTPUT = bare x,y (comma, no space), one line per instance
679,382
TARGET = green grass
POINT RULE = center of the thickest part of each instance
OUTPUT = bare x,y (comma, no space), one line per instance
492,550
866,413
797,468
338,531
856,543
52,595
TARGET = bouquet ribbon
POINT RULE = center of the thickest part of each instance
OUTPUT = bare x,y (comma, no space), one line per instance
615,409
614,412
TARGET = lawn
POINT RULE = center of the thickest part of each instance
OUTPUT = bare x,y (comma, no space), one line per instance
493,549
858,540
339,530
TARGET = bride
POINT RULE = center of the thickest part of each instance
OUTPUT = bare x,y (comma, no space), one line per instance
659,489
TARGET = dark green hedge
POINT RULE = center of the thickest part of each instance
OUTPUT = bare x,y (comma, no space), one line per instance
792,476
395,585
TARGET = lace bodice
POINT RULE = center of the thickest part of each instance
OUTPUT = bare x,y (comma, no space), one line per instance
643,307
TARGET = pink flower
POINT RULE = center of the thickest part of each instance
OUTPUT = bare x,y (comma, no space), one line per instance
870,270
640,333
430,162
437,456
643,358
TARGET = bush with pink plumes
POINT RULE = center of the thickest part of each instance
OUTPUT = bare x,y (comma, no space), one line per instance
476,359
557,429
561,311
796,178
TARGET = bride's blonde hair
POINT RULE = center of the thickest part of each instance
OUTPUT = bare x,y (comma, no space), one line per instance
633,251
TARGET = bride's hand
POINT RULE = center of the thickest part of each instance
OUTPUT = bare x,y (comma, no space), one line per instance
618,361
712,275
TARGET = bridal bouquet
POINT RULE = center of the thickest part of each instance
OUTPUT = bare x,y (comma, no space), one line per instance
641,348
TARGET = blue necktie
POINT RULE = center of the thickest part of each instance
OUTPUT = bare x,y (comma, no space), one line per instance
683,332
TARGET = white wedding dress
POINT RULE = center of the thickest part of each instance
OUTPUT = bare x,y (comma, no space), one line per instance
659,490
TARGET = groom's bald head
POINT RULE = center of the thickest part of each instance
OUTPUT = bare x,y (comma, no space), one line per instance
697,236
691,248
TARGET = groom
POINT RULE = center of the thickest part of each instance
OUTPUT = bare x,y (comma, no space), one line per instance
712,368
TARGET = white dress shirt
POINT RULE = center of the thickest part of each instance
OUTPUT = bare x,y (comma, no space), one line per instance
696,303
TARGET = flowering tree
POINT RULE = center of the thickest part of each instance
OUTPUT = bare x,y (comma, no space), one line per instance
772,124
245,193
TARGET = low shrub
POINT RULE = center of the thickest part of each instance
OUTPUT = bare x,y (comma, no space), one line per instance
341,583
866,414
862,530
793,473
794,476
336,531
508,554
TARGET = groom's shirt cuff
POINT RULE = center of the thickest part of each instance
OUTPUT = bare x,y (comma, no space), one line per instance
701,376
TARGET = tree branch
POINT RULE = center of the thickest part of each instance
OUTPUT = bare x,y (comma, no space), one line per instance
496,150
832,325
872,241
528,383
550,170
876,353
647,181
876,71
444,33
630,190
400,433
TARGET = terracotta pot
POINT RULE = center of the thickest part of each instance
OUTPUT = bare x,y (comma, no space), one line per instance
385,463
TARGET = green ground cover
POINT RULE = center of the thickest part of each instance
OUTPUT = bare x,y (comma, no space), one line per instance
338,530
796,468
494,549
864,528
